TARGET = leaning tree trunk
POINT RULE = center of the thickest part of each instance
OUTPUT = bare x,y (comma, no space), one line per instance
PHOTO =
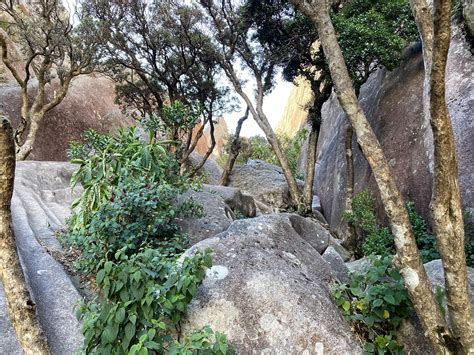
350,238
407,259
21,308
310,168
234,150
446,208
24,150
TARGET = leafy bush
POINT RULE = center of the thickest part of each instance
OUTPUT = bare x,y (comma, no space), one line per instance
376,239
375,302
379,241
143,298
123,226
424,239
138,214
104,160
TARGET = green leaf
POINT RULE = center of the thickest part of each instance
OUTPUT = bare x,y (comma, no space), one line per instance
100,276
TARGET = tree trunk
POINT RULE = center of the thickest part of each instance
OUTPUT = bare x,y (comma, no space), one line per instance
350,234
234,150
310,167
25,149
446,208
21,308
407,259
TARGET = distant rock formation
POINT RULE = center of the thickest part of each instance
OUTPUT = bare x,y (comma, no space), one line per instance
393,104
221,134
88,104
296,109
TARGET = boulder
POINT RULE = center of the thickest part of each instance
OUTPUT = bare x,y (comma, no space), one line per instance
270,292
216,218
210,171
264,181
89,103
235,199
393,105
337,264
41,202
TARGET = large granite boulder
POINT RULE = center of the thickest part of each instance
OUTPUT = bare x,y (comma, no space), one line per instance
210,171
89,103
393,105
41,201
264,181
270,291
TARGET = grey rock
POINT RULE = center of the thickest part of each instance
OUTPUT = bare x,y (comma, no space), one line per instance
235,199
8,340
435,272
217,216
264,181
269,291
468,14
316,204
393,105
336,262
210,171
41,201
359,266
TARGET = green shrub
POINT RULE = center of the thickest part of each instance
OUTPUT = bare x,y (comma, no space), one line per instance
105,160
424,239
377,239
138,214
143,299
375,302
123,225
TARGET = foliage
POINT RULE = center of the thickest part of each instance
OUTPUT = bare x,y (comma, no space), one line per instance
376,239
373,33
105,160
376,302
258,148
143,298
138,214
124,226
424,239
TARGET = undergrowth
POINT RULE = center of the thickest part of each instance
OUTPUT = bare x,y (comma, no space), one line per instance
123,227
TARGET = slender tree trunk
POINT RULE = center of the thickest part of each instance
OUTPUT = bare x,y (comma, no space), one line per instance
407,259
21,308
350,233
234,150
446,208
25,149
310,168
209,150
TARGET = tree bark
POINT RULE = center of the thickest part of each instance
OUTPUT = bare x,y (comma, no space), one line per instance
446,208
350,235
407,259
234,150
21,308
310,168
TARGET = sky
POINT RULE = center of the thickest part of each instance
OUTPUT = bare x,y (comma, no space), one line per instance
273,106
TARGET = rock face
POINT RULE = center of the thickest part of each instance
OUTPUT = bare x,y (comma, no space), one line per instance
264,181
269,291
296,109
393,104
211,171
88,104
221,206
41,201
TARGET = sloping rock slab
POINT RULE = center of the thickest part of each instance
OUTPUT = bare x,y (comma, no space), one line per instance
270,292
264,181
41,201
217,216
